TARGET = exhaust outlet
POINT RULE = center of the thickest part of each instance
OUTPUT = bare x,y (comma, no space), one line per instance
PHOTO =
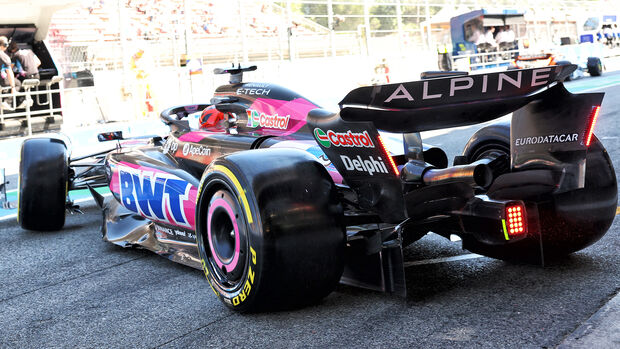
474,174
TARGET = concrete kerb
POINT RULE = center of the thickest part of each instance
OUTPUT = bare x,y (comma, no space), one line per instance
601,330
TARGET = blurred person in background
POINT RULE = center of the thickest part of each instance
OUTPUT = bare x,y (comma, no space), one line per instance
505,38
509,34
608,34
490,37
486,44
26,61
6,73
142,65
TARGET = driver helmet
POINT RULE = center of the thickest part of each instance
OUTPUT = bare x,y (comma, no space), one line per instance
211,117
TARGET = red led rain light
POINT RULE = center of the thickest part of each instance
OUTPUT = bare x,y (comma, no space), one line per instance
515,219
388,156
593,118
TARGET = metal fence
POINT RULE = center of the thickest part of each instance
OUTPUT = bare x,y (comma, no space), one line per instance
136,39
107,34
37,106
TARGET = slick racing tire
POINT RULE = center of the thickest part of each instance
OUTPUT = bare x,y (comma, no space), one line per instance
269,230
43,183
595,66
569,221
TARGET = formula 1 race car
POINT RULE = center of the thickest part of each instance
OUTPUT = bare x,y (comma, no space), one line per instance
564,55
277,200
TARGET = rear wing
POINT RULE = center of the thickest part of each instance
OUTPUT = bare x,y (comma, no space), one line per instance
450,101
550,127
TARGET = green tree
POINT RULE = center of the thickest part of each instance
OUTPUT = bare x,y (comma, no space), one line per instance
383,23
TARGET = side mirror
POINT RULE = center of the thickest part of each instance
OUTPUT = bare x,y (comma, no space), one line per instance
110,136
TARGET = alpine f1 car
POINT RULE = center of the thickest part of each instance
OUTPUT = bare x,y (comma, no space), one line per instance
277,200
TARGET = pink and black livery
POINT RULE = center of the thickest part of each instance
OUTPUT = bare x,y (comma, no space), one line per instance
281,200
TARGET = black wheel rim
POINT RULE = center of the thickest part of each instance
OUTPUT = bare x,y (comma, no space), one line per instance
491,151
223,235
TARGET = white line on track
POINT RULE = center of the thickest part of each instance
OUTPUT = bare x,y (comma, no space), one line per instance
598,87
7,217
442,260
78,201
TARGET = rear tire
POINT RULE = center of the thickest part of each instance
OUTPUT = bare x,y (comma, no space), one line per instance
569,221
595,66
269,230
43,184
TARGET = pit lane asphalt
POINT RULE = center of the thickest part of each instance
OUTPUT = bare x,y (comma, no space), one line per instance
71,289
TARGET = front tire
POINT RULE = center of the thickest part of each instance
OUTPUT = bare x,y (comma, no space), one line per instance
43,183
269,230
